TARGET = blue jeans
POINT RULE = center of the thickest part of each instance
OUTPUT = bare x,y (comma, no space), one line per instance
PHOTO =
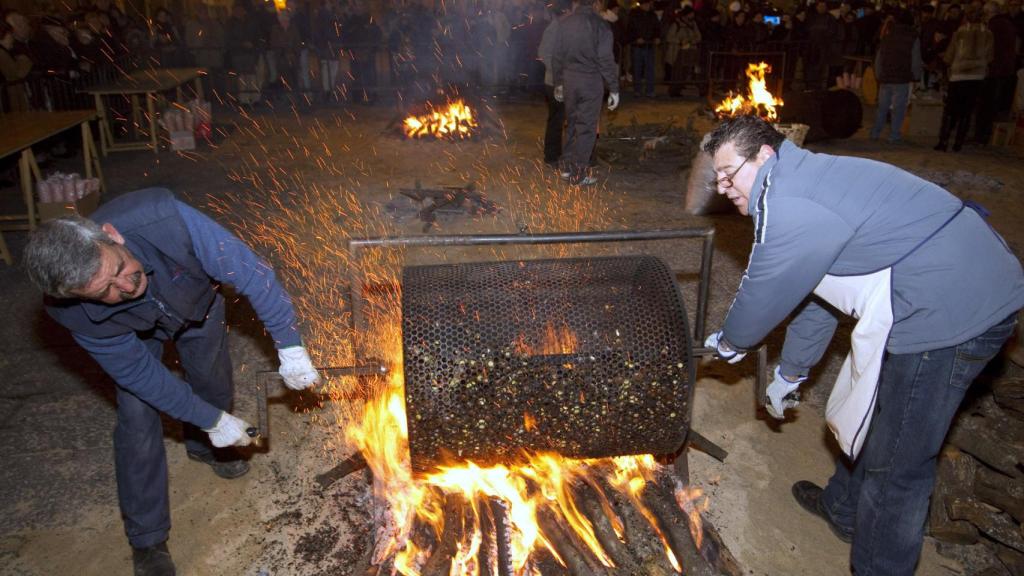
139,459
894,96
643,68
883,499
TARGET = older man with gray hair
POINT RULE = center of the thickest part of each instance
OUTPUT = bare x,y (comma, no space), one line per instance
144,271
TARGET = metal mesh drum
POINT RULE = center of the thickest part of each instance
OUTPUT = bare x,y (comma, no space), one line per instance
586,357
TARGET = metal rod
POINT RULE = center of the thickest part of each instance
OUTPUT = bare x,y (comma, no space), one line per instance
706,233
704,286
550,238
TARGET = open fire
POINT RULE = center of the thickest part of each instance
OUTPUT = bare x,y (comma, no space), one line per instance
454,120
758,100
540,487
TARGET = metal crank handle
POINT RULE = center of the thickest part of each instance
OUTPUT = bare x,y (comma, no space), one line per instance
760,374
268,378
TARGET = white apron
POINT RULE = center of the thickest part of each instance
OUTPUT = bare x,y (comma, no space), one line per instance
852,402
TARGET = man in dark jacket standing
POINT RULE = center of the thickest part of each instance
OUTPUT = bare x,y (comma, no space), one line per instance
1001,77
935,292
583,67
644,33
143,272
897,65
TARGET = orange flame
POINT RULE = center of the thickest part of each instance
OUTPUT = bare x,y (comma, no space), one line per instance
456,120
758,99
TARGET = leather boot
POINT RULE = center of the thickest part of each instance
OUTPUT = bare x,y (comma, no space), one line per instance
153,561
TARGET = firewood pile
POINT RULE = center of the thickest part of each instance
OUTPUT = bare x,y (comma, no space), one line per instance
665,147
979,491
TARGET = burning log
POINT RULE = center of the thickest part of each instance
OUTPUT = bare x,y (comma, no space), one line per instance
601,518
440,561
661,501
642,540
577,561
502,536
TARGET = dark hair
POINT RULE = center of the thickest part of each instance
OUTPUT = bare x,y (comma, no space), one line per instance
747,134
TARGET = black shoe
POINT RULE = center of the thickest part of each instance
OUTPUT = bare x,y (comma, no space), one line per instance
153,561
957,147
231,467
808,495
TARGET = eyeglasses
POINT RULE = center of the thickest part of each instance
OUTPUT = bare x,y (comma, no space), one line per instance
726,181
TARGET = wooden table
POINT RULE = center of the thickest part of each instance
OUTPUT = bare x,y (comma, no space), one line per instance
150,84
22,130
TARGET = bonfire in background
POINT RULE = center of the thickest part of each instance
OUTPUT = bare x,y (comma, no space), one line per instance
758,100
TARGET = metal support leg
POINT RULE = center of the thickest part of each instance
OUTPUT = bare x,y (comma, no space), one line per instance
151,109
92,161
106,136
26,168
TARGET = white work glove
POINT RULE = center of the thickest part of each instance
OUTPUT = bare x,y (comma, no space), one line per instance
722,348
783,394
559,94
613,101
229,431
297,369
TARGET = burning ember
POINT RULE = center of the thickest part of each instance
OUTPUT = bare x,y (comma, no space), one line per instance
758,99
456,120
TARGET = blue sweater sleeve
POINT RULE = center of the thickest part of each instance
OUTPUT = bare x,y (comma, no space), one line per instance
229,261
799,242
127,360
807,338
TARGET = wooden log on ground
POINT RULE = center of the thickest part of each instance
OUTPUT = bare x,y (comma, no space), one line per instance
1012,560
487,554
954,479
1000,491
972,436
1009,393
994,524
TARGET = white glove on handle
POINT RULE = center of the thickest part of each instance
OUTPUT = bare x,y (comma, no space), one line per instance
613,101
722,348
229,431
783,394
559,94
296,368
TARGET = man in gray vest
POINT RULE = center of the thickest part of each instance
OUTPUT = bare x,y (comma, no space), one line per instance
583,66
935,292
144,271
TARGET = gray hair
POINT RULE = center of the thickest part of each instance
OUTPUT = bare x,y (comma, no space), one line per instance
63,254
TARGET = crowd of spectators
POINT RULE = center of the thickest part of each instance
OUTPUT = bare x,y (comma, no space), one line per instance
355,49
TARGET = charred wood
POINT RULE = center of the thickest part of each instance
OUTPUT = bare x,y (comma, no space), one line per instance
641,538
502,536
577,560
353,463
994,524
673,522
590,504
440,561
487,554
1011,559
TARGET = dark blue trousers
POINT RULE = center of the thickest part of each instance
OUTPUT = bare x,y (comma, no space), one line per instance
882,499
139,458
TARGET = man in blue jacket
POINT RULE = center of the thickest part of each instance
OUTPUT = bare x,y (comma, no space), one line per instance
935,291
144,271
